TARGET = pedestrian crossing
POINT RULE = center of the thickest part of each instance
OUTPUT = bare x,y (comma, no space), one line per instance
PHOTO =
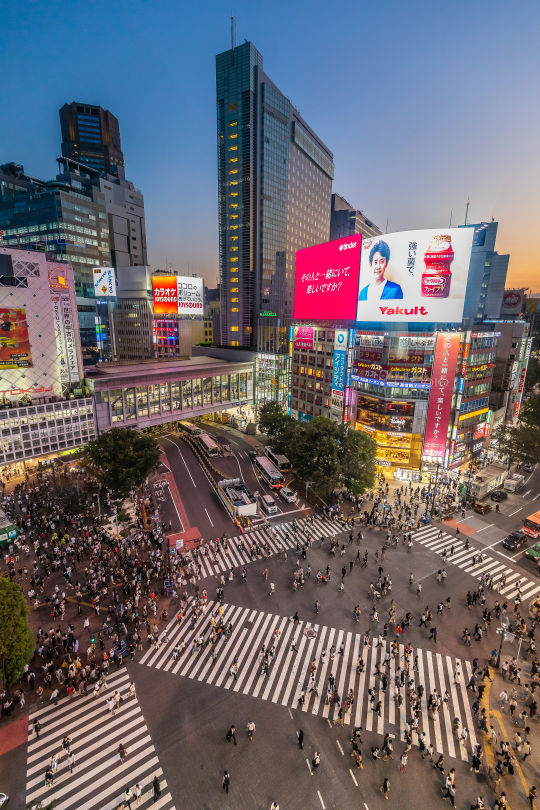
296,646
98,779
432,538
279,537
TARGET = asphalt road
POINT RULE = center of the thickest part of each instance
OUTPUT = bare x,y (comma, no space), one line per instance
188,718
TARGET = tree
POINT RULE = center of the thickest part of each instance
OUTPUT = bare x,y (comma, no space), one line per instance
281,429
530,411
16,639
122,458
532,377
520,443
357,462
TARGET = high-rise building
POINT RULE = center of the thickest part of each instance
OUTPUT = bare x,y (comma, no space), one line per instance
89,215
91,135
487,275
274,186
348,221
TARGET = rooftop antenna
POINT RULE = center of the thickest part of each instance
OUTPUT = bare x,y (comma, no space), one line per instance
451,212
233,33
467,210
386,229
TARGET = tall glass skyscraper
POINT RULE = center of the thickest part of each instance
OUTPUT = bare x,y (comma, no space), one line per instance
274,189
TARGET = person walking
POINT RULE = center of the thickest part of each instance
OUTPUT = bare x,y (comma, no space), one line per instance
231,735
300,738
315,762
128,796
71,762
403,762
156,787
122,752
385,787
532,796
226,781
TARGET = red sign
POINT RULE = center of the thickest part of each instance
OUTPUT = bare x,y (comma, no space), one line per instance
303,337
326,281
440,399
165,295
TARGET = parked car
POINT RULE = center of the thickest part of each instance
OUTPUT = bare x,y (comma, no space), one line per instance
499,495
288,494
482,508
514,540
534,554
528,468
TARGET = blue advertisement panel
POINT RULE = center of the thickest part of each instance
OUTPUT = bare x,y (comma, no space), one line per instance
339,370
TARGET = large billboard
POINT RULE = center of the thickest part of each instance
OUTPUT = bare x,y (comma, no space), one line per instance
178,295
414,276
326,280
104,282
440,398
303,337
512,302
14,340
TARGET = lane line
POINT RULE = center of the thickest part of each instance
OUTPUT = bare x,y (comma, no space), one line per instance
208,516
321,800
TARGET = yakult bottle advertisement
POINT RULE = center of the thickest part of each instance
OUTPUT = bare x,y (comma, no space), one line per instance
415,276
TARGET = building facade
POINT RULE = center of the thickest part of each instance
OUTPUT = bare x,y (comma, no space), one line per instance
274,184
348,221
91,135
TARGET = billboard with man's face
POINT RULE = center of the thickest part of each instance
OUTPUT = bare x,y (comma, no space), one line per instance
418,276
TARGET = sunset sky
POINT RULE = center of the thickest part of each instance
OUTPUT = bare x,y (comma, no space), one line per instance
424,104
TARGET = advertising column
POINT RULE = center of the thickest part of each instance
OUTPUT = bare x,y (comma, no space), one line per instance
339,372
440,399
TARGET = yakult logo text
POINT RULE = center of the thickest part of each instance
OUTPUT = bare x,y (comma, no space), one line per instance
348,246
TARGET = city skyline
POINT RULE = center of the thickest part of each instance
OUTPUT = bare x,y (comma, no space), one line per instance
438,136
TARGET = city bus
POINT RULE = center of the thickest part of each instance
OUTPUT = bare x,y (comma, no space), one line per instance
531,525
271,475
208,444
190,428
279,461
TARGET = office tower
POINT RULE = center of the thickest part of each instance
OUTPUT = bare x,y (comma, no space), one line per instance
91,135
348,221
274,185
487,275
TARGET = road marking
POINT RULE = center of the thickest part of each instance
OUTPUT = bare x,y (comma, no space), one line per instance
290,713
487,526
515,511
353,777
536,497
309,766
496,543
320,799
208,516
526,493
340,748
183,459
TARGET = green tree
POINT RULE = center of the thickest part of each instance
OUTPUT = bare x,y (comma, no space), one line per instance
16,639
532,377
122,458
281,429
520,443
530,411
357,461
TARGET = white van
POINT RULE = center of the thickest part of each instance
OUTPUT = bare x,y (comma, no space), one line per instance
268,504
514,483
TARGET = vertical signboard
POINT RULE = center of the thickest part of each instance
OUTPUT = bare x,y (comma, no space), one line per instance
440,399
340,360
303,337
104,282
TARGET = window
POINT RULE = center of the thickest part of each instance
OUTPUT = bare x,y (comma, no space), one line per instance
234,329
234,309
234,289
235,343
235,300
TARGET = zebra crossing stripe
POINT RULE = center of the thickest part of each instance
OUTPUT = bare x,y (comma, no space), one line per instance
98,777
462,557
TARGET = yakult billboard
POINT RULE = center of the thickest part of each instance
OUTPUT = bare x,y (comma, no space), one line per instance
418,276
326,281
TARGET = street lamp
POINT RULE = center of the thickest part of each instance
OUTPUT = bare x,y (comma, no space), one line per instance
308,484
502,629
434,490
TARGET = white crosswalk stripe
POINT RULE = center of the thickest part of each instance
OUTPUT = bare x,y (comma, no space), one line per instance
295,647
437,540
99,778
279,537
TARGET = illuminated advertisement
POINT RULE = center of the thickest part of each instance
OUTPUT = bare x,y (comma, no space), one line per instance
414,276
326,281
440,399
104,282
512,302
178,295
303,337
339,370
14,339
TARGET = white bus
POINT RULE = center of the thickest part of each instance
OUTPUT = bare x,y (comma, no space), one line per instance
271,475
279,461
190,428
208,444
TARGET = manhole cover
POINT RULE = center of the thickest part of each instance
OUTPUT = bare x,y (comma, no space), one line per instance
248,624
310,633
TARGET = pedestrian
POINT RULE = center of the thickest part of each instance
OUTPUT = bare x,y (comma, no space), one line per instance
71,762
532,796
300,737
156,787
226,781
315,762
37,728
137,790
128,796
231,735
385,787
122,752
403,763
274,806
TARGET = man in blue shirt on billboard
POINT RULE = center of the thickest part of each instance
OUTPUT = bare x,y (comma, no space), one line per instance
380,288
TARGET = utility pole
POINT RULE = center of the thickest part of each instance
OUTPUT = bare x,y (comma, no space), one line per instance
467,211
434,489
